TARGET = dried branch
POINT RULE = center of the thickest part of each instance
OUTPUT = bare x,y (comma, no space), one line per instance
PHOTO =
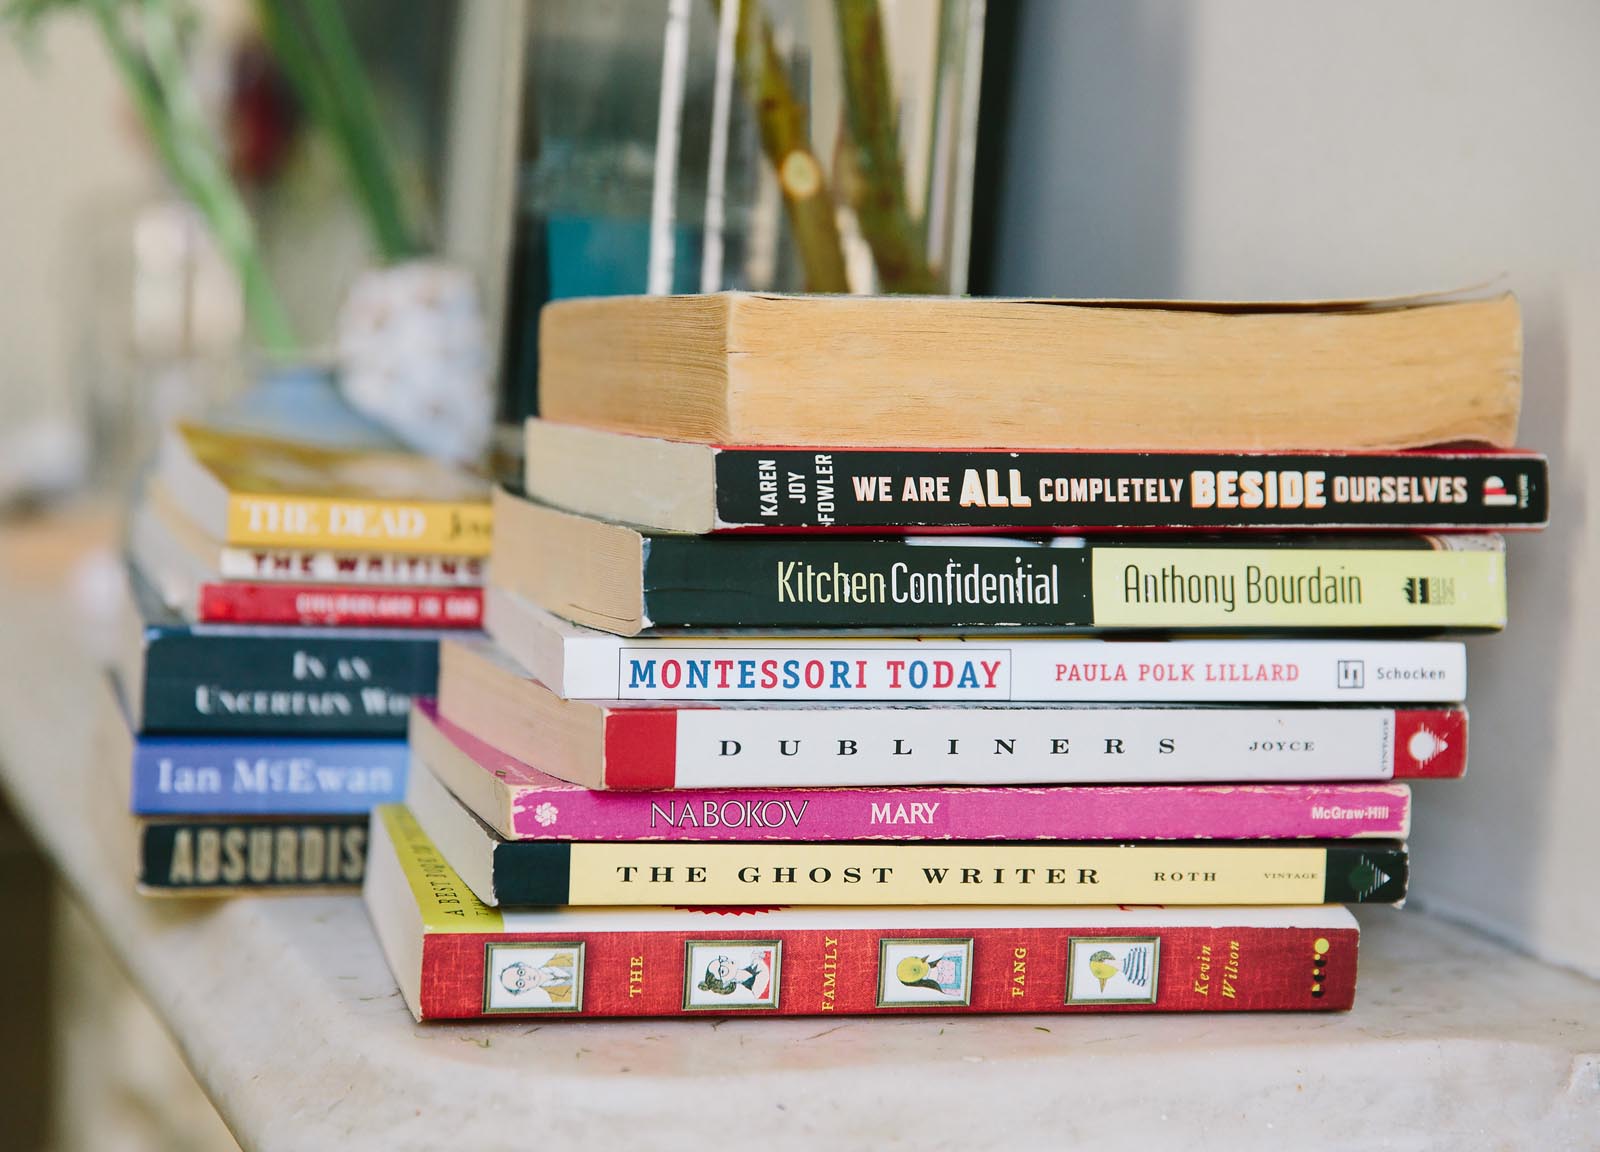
879,195
787,142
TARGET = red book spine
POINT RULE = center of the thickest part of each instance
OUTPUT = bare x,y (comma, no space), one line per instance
812,972
1430,743
353,606
642,749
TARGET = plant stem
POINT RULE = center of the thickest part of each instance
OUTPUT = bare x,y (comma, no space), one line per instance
880,199
358,129
161,93
787,143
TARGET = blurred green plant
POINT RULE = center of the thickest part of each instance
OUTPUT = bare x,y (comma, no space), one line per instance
146,41
313,46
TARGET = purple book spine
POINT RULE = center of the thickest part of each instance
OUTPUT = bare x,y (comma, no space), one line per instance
1090,812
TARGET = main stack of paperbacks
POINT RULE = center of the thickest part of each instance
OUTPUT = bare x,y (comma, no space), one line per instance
1067,658
286,603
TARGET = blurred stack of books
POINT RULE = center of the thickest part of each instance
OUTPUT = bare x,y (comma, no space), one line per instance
285,605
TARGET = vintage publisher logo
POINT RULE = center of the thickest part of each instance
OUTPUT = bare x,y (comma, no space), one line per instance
1495,494
1436,590
1425,744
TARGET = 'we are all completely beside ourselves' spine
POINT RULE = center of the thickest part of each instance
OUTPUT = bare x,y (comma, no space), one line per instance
863,489
456,958
699,488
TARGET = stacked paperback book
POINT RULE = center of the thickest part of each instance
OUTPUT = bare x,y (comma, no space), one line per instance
895,655
285,607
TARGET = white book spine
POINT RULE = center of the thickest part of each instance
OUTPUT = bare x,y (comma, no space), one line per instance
756,748
294,565
1021,671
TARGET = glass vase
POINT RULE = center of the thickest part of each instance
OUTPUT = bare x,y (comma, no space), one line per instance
763,145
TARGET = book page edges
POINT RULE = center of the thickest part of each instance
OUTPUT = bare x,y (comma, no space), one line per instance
447,904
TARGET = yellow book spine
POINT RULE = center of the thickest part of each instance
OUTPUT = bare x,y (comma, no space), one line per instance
444,529
1051,874
1298,588
447,904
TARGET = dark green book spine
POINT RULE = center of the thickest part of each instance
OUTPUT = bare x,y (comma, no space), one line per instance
293,683
1366,874
1228,585
540,873
536,873
178,855
830,583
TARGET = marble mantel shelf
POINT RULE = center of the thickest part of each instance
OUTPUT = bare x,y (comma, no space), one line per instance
291,1022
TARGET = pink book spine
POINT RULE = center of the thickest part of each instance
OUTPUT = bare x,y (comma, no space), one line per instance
1088,812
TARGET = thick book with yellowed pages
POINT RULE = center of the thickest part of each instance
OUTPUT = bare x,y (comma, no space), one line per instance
256,490
922,372
680,486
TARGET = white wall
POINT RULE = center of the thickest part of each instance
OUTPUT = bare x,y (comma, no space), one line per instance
68,144
1246,148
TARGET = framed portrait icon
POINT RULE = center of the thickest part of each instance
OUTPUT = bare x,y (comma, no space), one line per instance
524,978
731,975
1113,969
924,973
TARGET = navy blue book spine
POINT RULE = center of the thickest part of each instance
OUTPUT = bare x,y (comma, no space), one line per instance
291,681
243,680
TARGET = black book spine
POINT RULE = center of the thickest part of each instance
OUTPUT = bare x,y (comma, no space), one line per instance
1333,581
843,583
1022,491
299,684
1366,874
195,855
533,873
536,874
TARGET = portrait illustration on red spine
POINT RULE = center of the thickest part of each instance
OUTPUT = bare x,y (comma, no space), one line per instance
924,973
1113,969
731,974
537,977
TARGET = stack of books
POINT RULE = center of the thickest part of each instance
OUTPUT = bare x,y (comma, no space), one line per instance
285,607
801,696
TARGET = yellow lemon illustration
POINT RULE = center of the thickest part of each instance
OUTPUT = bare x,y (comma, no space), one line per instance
1104,966
912,969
